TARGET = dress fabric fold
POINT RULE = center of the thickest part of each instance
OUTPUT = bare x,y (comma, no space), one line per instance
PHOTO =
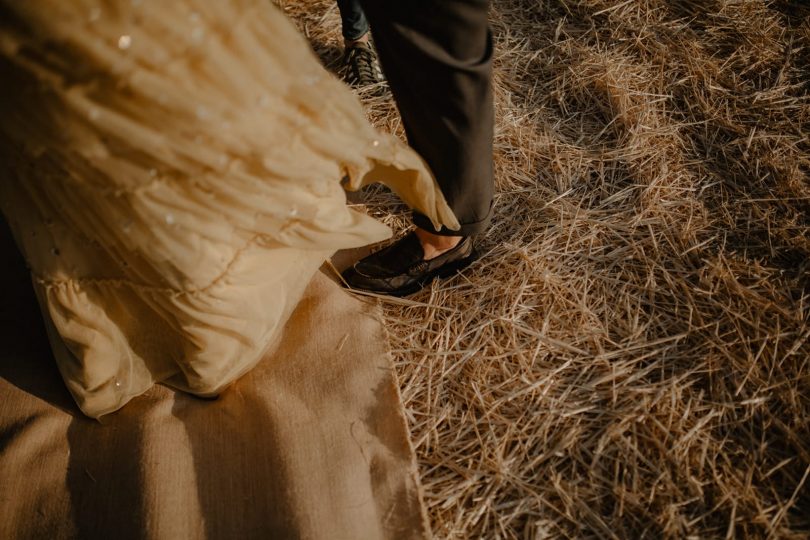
174,174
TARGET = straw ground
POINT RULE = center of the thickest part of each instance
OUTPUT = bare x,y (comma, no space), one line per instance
629,359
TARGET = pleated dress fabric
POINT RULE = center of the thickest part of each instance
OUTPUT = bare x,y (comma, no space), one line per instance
311,443
174,174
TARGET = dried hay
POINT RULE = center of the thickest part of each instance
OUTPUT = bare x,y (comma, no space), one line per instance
630,356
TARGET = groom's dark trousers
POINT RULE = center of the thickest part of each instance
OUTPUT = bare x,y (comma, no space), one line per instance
437,57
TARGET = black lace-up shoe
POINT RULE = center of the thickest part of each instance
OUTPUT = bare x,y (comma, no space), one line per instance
360,66
400,269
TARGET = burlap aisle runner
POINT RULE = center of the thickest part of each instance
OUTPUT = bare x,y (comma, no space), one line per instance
310,444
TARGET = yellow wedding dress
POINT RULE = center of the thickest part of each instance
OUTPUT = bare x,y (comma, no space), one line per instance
172,174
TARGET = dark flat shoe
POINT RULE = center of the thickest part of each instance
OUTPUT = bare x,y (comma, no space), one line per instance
400,269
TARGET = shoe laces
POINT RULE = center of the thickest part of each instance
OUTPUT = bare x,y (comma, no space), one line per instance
361,63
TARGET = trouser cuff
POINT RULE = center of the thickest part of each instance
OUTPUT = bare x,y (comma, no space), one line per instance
467,229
